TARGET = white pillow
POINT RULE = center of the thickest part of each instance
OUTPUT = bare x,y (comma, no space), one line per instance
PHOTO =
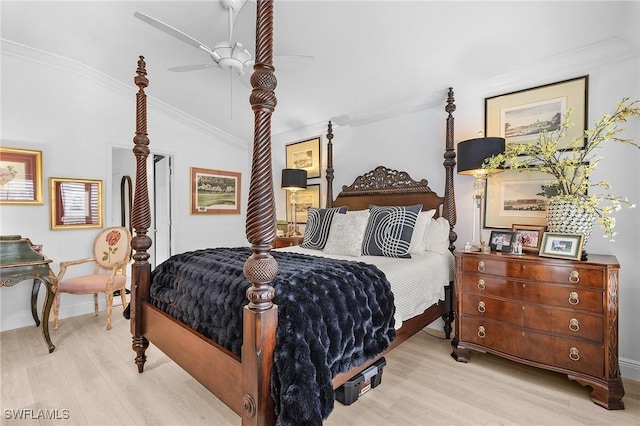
437,236
347,233
417,245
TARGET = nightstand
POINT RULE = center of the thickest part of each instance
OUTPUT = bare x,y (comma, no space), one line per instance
287,241
556,314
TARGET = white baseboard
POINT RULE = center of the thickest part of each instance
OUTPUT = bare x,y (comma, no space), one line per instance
24,319
629,369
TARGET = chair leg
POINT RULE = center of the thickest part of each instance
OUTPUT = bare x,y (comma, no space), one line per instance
109,297
95,304
123,297
56,309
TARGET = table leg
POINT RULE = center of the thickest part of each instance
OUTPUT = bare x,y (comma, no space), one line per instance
46,309
34,300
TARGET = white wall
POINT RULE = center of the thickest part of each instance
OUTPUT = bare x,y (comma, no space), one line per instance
75,116
414,142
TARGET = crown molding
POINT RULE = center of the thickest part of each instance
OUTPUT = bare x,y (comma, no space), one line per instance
47,59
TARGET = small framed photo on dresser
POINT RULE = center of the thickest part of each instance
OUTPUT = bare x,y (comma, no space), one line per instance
530,236
501,241
562,246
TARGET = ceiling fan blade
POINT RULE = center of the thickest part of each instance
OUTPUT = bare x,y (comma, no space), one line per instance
172,31
194,67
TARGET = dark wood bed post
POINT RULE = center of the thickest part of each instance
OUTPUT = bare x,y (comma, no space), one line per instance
330,170
260,316
449,208
140,221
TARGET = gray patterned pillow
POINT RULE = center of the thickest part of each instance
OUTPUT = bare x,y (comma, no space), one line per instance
347,232
389,230
318,224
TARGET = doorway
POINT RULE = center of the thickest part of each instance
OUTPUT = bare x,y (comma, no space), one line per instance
159,176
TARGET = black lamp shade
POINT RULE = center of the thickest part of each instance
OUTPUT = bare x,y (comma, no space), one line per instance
294,179
473,152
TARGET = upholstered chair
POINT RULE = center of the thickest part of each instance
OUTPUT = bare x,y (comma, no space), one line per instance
111,253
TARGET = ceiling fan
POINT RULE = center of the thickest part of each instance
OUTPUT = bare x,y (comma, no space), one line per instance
227,55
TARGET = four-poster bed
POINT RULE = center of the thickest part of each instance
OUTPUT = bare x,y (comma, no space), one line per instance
243,379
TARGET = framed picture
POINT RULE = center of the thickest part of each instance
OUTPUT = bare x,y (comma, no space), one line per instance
20,176
309,197
563,246
215,191
75,203
520,116
516,197
501,240
529,236
305,155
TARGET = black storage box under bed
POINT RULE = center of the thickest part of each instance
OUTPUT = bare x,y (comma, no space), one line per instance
369,378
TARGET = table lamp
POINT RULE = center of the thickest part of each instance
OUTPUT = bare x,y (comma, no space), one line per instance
471,155
293,180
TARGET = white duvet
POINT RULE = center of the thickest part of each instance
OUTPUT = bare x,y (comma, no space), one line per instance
416,283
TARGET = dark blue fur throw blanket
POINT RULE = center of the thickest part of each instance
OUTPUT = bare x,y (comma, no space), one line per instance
332,315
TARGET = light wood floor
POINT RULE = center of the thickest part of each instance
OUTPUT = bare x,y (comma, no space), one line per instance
92,376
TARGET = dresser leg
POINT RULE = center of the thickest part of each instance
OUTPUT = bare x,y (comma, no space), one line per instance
608,395
459,353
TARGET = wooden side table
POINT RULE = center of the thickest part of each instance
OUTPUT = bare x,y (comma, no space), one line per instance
19,262
287,241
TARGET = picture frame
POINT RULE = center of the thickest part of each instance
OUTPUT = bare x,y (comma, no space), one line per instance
305,155
21,179
215,191
75,203
515,197
309,197
562,246
530,236
501,241
517,116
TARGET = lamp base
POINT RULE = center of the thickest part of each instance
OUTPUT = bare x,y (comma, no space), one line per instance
471,247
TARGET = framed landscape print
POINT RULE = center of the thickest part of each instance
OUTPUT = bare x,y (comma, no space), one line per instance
309,197
520,116
20,176
305,155
516,197
215,191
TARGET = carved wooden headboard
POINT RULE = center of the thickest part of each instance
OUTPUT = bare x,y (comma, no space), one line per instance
387,187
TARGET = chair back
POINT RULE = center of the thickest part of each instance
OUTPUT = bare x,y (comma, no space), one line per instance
112,245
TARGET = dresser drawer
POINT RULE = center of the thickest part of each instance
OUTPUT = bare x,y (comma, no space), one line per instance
540,318
531,270
560,352
565,296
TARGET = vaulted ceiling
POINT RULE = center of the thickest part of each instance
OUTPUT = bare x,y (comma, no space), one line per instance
368,56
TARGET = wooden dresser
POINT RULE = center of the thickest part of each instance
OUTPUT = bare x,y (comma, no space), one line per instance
556,314
287,241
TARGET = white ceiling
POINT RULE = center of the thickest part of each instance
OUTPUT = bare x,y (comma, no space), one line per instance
368,55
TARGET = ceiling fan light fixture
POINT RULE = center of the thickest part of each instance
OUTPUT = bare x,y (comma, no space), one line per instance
230,56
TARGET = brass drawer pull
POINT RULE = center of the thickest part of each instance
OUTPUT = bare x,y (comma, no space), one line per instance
481,332
481,307
573,354
481,266
573,298
574,277
481,284
573,325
